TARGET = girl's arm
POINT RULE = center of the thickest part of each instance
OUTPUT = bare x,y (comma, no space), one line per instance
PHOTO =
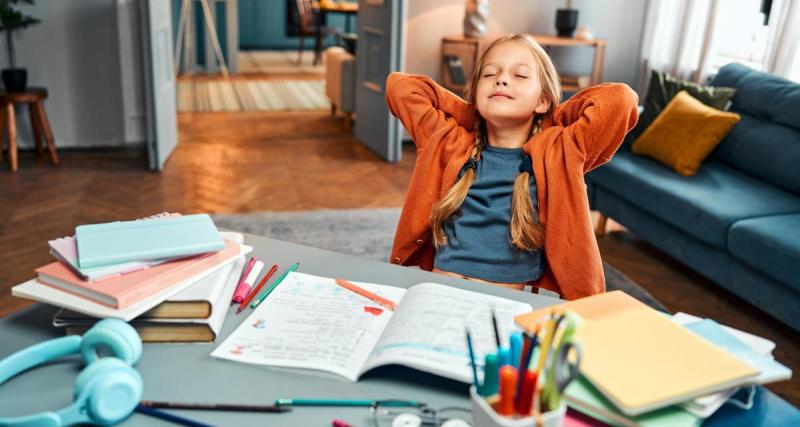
596,120
424,107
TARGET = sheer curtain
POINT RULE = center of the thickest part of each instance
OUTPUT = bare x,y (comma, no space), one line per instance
678,39
783,44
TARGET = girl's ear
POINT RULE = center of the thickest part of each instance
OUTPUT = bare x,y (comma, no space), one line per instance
543,106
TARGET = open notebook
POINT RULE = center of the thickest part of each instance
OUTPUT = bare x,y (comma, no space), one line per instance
310,322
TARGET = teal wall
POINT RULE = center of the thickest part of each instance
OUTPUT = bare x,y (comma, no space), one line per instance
262,25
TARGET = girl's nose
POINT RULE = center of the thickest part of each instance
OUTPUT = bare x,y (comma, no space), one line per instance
501,83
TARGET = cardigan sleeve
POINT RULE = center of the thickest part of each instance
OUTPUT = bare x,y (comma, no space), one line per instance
424,107
596,120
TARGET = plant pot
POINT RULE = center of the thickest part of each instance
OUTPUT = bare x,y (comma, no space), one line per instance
566,22
15,79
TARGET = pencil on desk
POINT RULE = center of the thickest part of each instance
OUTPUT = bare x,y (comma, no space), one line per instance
169,417
278,281
214,406
391,305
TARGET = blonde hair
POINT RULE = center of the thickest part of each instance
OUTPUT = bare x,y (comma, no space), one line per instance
525,232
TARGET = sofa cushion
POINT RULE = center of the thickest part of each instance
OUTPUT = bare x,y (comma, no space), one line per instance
766,143
684,134
769,244
704,205
663,87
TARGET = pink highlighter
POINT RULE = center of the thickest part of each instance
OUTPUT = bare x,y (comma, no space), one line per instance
247,284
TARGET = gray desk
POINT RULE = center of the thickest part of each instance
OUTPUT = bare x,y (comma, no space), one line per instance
186,372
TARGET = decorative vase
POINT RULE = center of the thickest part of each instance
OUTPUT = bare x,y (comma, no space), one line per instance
566,21
15,79
476,18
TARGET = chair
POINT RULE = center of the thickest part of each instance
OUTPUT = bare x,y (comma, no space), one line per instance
310,25
340,82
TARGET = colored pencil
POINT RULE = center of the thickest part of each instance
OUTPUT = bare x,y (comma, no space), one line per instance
278,281
472,362
391,305
214,406
169,417
496,330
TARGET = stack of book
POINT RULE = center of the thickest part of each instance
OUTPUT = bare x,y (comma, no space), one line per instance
641,367
172,276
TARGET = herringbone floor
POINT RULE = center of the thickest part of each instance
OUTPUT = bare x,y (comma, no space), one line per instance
245,162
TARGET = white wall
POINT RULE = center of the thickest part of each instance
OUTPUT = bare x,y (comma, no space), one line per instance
618,21
75,53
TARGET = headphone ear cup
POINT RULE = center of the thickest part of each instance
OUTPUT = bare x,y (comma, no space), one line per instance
108,390
115,334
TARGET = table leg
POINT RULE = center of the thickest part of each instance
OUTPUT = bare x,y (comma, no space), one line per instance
12,136
36,129
48,133
321,18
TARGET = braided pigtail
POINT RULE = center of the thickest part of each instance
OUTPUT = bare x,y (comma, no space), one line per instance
525,231
452,200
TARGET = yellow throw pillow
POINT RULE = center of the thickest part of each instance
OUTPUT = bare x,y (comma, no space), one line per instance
685,133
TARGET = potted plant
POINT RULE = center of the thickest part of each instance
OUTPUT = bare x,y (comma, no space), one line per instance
566,20
12,19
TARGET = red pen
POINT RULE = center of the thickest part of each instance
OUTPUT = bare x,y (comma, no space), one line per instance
255,291
525,400
245,272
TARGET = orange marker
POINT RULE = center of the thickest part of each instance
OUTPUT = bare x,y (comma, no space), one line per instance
508,386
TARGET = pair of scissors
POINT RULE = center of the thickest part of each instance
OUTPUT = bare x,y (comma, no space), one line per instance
562,370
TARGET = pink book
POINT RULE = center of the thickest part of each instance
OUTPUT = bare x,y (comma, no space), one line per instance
121,291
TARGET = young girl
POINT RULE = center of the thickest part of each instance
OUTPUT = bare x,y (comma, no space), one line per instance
497,194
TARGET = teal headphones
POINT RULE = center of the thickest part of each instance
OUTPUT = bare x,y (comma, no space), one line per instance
107,389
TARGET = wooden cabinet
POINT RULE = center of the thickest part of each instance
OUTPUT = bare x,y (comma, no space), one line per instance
459,55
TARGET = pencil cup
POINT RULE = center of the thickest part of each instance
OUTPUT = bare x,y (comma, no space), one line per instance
483,415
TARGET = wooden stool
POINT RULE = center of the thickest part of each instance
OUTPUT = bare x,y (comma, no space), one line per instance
34,96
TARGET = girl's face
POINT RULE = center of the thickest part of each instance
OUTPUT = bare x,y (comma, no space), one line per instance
509,91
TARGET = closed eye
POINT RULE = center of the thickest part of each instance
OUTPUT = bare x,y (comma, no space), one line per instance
488,75
521,76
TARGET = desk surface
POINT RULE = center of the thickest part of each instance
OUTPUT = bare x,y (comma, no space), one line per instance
186,372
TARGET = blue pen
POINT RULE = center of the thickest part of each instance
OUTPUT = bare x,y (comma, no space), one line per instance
472,362
503,356
515,339
169,417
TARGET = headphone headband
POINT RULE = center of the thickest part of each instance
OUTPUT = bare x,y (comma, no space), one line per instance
106,391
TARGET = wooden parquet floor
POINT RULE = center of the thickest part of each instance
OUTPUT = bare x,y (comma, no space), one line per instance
245,162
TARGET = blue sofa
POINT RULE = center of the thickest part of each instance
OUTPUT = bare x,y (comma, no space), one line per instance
737,221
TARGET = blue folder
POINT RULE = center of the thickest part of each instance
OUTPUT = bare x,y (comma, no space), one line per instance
148,239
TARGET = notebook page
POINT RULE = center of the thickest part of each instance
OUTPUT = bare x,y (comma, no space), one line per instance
428,330
310,322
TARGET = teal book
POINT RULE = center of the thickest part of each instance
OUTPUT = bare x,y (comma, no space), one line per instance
147,239
583,397
771,370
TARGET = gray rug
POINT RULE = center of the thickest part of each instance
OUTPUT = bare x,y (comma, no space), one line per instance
367,233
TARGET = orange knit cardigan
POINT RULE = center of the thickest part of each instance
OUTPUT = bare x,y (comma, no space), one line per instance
583,133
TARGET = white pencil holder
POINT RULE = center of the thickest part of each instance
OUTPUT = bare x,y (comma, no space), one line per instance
483,415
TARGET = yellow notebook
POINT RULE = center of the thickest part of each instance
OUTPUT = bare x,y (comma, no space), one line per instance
640,359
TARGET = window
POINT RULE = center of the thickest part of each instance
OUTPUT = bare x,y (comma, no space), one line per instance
741,35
